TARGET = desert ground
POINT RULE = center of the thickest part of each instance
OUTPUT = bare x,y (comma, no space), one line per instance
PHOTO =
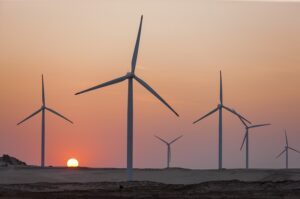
54,182
27,175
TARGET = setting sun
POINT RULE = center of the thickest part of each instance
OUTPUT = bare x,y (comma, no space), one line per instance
72,162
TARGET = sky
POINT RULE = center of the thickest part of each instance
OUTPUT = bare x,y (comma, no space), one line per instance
184,45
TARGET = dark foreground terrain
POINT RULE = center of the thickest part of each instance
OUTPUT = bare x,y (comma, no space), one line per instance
211,190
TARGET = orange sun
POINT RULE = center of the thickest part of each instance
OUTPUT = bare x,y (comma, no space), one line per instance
72,162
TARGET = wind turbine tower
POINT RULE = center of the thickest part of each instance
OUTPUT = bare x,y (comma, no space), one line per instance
286,151
130,76
43,109
246,138
219,108
168,148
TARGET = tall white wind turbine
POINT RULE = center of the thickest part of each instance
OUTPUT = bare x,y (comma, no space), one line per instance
43,109
286,150
219,108
168,148
246,137
130,76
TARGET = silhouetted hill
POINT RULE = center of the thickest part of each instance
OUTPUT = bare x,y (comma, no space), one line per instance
7,160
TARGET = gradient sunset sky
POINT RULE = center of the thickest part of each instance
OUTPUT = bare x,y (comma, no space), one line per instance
184,44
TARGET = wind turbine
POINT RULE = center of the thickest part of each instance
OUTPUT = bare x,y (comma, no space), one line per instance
130,76
168,148
43,109
286,150
219,108
246,137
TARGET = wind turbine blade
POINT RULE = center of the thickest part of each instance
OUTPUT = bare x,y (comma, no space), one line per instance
176,139
211,112
60,115
114,81
259,125
221,88
286,139
241,119
155,94
161,139
281,153
294,149
33,114
136,48
237,114
244,140
43,91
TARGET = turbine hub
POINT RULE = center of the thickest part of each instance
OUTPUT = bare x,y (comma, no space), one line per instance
130,75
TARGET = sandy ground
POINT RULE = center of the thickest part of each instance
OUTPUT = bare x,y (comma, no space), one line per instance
82,183
112,190
23,175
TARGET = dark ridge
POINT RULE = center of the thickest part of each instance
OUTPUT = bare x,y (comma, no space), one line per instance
7,160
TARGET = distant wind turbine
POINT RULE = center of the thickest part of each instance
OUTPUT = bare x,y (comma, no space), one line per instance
168,148
43,109
219,108
246,137
286,150
130,76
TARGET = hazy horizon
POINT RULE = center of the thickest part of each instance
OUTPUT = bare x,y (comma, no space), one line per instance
184,45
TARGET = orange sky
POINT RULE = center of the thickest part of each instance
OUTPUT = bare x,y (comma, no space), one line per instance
184,44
